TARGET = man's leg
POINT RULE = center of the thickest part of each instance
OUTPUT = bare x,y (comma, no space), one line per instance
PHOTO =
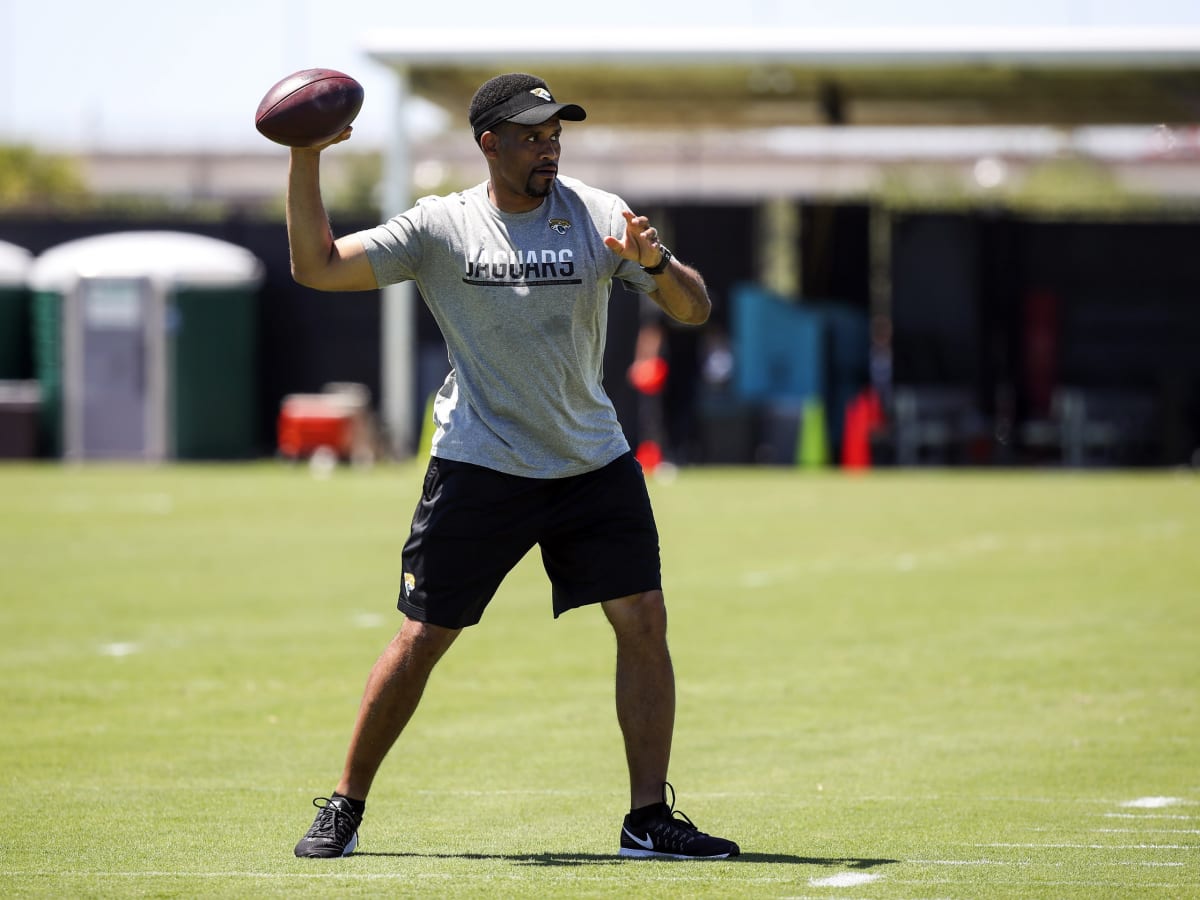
646,712
645,691
393,691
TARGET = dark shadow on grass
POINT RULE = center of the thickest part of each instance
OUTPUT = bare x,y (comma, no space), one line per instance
829,862
601,859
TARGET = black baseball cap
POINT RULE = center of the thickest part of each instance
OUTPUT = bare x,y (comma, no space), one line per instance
520,98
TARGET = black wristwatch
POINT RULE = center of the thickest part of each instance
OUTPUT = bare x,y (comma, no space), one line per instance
662,263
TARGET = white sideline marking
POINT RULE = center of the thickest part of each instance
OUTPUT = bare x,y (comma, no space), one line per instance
667,878
1090,883
154,503
844,879
152,873
971,862
1146,830
757,579
1094,846
955,552
119,649
1146,816
1152,802
1025,863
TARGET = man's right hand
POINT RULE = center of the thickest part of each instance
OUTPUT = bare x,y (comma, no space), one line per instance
344,135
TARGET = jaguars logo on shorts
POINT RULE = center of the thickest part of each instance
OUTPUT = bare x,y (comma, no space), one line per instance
560,225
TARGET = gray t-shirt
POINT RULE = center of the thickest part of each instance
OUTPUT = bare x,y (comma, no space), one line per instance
522,302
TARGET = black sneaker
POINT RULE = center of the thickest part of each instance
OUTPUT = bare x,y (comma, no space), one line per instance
664,833
334,831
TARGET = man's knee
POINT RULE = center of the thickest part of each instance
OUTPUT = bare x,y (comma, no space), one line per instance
638,615
423,640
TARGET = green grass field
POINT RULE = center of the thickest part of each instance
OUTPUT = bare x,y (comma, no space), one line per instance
905,685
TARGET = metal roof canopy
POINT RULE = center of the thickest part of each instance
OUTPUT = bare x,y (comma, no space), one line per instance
762,77
755,77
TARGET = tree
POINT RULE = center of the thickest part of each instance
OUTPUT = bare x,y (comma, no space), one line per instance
31,181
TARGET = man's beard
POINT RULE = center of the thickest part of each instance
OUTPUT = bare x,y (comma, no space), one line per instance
538,193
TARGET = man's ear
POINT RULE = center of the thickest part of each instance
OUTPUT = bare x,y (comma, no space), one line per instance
489,143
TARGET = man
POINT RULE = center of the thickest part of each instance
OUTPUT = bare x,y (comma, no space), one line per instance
517,272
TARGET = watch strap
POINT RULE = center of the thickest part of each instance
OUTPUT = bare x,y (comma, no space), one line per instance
661,265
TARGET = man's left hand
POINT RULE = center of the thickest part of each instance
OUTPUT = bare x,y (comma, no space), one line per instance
640,242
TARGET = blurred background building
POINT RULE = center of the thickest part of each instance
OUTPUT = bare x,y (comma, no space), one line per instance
987,241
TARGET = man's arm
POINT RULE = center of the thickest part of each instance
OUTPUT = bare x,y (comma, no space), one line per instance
679,289
319,261
681,294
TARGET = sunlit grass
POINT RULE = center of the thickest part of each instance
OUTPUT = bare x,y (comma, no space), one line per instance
907,685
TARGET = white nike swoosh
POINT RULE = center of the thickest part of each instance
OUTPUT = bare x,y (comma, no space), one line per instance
645,844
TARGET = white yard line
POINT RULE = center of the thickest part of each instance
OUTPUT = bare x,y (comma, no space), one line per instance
1029,863
950,554
1089,846
1146,831
844,879
1152,802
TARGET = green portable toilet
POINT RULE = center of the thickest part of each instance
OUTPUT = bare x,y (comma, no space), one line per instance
144,344
14,312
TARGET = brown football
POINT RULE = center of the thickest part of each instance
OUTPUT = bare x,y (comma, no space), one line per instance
308,107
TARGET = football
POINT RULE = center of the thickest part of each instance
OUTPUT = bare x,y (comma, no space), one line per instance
308,107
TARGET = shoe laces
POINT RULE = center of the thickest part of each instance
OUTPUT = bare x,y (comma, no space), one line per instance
676,817
334,821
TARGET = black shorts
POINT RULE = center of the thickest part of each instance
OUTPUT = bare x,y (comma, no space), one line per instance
473,525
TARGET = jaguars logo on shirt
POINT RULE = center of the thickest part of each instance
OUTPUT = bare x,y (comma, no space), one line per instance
522,267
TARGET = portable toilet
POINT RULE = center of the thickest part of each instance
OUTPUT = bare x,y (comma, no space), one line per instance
14,312
145,347
19,397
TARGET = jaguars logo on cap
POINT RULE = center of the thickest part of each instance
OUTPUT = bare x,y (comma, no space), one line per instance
560,225
543,93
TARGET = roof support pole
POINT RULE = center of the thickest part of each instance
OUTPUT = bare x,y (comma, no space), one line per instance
880,292
398,355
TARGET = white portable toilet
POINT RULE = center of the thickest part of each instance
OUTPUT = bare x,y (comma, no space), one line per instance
145,346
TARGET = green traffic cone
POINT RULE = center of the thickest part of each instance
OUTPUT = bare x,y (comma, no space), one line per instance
812,449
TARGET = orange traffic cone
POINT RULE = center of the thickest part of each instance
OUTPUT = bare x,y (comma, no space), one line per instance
862,415
649,454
